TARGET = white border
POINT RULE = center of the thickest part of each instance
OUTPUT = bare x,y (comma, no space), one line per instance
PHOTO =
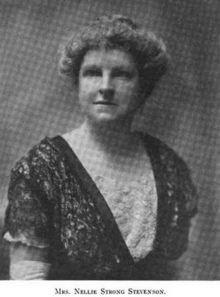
110,288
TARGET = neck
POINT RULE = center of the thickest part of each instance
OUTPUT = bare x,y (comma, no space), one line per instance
112,138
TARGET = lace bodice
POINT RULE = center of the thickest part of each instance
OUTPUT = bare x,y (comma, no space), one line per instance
54,201
134,207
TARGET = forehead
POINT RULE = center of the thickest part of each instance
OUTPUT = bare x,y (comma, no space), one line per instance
109,59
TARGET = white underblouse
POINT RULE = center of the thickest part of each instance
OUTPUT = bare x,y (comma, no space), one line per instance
134,207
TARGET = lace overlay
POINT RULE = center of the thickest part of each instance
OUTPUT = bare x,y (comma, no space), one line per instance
52,202
134,208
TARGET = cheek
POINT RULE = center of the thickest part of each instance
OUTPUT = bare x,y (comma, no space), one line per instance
131,96
85,91
88,87
130,92
82,96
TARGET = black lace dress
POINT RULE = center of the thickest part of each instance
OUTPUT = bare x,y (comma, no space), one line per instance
53,202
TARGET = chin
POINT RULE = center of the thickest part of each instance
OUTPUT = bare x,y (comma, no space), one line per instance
107,121
104,121
104,118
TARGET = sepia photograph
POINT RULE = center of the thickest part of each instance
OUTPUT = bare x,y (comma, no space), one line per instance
110,141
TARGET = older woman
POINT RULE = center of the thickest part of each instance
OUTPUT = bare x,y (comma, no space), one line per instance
102,201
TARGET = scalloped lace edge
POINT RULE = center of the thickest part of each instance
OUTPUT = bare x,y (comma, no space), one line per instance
22,239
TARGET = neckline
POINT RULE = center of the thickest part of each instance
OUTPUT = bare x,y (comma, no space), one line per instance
151,145
90,187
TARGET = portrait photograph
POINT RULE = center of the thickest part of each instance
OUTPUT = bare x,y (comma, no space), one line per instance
110,144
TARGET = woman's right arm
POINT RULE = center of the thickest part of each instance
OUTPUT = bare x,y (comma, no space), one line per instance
28,263
27,222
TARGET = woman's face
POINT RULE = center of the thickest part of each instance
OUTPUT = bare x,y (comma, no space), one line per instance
108,86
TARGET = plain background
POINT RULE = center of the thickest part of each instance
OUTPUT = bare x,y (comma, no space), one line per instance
184,111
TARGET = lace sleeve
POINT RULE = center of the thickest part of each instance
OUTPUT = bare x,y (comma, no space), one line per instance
27,219
179,202
188,191
184,207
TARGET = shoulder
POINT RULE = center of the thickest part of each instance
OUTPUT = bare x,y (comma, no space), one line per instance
175,173
30,194
166,155
156,144
41,156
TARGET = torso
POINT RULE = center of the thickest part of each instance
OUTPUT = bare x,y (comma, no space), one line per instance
81,215
127,184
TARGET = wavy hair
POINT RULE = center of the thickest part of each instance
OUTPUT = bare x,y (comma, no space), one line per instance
122,33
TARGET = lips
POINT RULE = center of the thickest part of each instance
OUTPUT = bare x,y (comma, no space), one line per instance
104,103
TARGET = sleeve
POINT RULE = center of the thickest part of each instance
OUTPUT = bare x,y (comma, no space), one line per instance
177,199
27,216
187,190
183,208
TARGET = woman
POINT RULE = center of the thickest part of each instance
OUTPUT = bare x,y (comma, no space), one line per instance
102,201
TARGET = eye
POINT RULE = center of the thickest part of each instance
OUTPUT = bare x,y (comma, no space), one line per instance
93,72
121,73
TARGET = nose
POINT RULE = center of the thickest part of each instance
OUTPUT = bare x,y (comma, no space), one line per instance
106,89
106,93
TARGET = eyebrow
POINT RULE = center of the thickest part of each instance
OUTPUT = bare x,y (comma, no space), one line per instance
123,68
119,67
90,66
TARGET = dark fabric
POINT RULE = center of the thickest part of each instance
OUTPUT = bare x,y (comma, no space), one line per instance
53,200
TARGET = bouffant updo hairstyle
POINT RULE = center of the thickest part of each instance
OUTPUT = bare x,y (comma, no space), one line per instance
121,33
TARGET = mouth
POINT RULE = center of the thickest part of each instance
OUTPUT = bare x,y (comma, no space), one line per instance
104,103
